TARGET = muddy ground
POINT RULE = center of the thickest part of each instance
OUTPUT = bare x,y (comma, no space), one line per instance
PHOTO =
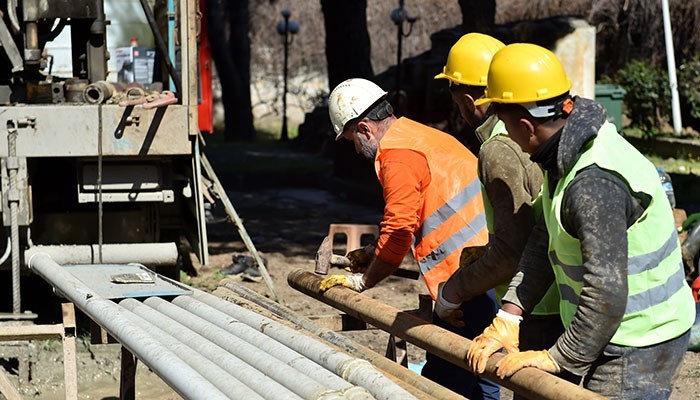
286,225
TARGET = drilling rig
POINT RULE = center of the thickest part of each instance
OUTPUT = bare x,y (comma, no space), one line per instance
92,170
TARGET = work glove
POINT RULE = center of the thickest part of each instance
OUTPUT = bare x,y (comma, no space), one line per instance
360,259
448,311
471,254
502,333
355,282
514,362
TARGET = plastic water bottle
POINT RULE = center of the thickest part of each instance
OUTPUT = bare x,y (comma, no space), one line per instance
668,186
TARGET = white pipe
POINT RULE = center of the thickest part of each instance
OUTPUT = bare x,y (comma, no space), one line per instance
671,60
242,371
174,371
225,323
198,353
356,371
148,254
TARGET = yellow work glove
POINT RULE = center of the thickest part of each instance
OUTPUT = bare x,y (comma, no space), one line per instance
502,333
448,311
471,254
512,363
360,259
355,282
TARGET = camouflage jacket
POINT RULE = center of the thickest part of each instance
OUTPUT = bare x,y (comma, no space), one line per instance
511,181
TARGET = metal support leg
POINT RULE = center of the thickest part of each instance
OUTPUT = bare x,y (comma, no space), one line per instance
127,383
396,350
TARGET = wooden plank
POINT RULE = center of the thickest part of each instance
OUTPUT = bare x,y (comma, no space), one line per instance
7,388
70,361
30,332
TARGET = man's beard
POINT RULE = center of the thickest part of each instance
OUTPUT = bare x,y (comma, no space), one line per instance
368,149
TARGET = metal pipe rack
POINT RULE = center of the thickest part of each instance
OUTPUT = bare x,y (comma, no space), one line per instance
207,348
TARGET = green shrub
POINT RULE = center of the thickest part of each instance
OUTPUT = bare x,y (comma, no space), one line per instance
689,85
647,100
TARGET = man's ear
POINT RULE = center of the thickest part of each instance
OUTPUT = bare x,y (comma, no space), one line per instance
528,126
469,103
363,128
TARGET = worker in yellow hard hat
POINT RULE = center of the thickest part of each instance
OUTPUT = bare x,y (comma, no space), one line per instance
433,208
510,183
610,238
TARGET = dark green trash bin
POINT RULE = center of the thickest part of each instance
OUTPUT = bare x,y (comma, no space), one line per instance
610,96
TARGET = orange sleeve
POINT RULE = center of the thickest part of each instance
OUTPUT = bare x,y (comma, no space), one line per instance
404,175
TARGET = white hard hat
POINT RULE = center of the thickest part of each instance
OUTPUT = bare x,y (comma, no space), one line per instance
352,99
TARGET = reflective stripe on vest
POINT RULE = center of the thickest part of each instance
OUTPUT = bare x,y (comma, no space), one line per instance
659,303
443,213
640,301
452,215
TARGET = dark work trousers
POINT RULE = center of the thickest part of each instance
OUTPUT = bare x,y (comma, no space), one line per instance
540,332
625,373
478,314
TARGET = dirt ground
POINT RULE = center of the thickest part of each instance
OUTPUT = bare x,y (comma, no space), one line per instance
286,225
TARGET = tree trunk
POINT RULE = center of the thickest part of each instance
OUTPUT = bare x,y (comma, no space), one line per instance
347,40
348,56
478,15
231,53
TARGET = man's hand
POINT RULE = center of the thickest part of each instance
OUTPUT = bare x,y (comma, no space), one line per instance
360,259
502,333
448,311
355,282
512,363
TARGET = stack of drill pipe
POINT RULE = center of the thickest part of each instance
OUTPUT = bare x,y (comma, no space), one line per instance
418,385
203,352
529,382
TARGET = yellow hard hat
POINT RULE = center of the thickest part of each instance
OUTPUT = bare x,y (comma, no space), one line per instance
469,59
524,73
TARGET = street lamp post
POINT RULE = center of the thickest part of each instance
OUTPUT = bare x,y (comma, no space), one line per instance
287,29
399,16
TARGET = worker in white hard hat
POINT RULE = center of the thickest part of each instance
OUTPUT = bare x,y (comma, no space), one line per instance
433,207
510,185
608,241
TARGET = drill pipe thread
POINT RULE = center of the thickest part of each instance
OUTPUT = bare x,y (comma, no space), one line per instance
285,376
359,374
174,371
529,382
419,385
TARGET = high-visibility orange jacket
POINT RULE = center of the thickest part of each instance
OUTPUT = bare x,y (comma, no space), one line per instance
450,211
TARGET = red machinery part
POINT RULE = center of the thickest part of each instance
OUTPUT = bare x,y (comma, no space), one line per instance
206,104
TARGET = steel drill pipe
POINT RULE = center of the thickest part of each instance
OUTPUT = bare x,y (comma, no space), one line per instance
418,385
529,382
205,356
174,371
356,371
201,355
225,324
245,352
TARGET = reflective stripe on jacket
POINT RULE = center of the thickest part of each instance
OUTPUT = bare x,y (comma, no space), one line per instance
659,302
452,215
